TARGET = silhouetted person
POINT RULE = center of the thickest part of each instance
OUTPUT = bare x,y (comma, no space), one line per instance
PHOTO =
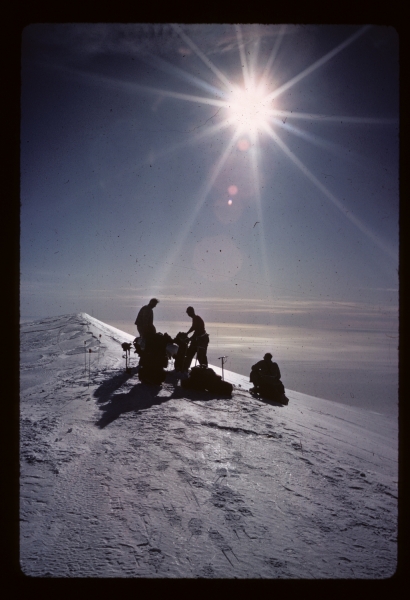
145,319
199,341
263,369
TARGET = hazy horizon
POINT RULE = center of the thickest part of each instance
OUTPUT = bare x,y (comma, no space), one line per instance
355,368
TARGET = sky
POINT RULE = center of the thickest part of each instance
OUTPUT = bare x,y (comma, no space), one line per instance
250,171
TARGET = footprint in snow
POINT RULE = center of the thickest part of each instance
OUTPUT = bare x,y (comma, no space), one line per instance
195,526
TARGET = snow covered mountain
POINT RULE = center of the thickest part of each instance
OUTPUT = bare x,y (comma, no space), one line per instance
124,479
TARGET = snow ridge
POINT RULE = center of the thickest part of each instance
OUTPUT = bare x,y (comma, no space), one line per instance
123,479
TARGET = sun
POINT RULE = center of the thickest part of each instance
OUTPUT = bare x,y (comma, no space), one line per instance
249,110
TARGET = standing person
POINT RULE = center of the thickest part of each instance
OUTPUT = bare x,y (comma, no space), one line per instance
199,341
262,369
145,319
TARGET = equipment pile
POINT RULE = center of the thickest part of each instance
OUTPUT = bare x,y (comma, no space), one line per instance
205,378
154,359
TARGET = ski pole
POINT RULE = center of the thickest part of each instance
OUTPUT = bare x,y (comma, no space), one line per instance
85,357
98,360
89,366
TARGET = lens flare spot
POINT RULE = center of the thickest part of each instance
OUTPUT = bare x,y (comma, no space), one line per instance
232,190
226,210
243,145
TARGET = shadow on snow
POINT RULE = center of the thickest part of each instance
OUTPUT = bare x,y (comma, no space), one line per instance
109,386
141,396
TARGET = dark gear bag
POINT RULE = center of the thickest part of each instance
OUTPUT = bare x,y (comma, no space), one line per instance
205,378
154,359
182,341
272,388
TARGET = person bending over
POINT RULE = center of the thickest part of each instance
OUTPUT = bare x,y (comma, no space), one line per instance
199,341
145,319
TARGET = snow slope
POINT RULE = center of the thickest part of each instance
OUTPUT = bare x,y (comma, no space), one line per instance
123,479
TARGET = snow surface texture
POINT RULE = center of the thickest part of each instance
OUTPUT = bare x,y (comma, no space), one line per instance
124,479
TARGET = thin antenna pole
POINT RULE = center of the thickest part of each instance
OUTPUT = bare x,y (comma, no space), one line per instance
222,359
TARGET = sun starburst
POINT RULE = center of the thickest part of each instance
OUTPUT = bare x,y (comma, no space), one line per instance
249,110
247,105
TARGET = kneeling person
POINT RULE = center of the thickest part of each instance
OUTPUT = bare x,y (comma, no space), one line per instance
265,376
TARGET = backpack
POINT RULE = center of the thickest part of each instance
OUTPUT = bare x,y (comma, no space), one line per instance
152,374
205,378
182,341
154,357
272,388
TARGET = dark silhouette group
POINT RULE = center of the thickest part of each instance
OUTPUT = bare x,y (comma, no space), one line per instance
197,344
154,348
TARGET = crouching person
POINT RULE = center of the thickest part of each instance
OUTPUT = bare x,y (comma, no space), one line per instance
265,376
